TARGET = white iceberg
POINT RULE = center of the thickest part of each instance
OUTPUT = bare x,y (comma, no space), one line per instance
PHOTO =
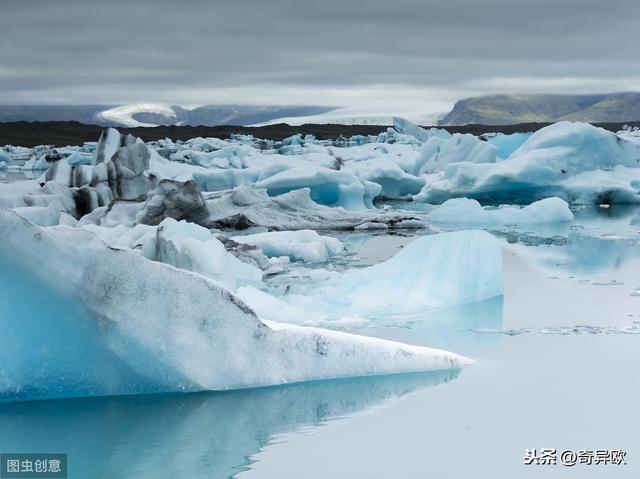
301,245
246,206
184,245
507,144
434,271
193,248
83,319
468,212
395,182
405,127
327,187
575,161
439,152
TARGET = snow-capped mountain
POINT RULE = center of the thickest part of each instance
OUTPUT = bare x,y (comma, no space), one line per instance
126,115
155,114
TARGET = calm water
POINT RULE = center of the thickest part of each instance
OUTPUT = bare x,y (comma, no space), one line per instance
557,366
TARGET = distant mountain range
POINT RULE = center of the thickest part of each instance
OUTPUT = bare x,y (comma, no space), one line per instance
155,114
488,110
513,109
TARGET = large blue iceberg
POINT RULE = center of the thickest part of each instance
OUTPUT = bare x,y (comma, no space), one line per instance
80,318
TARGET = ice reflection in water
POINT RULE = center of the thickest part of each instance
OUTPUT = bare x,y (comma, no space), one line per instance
196,435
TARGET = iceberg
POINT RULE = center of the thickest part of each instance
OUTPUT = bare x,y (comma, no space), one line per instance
174,199
184,245
83,319
326,187
578,162
246,206
119,176
439,152
395,183
109,143
406,127
191,247
434,271
301,245
468,212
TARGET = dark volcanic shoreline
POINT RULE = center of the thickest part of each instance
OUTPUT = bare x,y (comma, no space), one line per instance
63,133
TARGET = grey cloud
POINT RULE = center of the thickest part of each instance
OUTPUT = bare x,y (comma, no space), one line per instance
116,51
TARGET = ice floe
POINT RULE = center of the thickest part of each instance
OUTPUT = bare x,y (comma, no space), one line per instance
302,245
109,321
469,212
434,271
575,161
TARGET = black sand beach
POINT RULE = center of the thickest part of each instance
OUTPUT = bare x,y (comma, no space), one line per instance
62,133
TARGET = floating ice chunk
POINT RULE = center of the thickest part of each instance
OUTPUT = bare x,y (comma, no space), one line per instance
108,321
619,185
551,162
120,176
295,210
258,167
468,212
433,271
229,156
394,181
192,247
174,199
184,245
407,128
302,245
569,148
327,187
109,142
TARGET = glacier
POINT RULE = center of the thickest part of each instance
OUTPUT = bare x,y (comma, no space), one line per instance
82,319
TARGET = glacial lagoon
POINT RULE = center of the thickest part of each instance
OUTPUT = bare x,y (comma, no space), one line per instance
555,366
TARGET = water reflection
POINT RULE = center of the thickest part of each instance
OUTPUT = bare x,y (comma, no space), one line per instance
196,435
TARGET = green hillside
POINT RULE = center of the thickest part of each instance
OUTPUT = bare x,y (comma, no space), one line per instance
512,109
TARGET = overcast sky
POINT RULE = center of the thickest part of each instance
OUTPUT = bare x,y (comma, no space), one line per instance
330,52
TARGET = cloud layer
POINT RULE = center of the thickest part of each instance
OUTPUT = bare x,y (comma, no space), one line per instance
301,52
